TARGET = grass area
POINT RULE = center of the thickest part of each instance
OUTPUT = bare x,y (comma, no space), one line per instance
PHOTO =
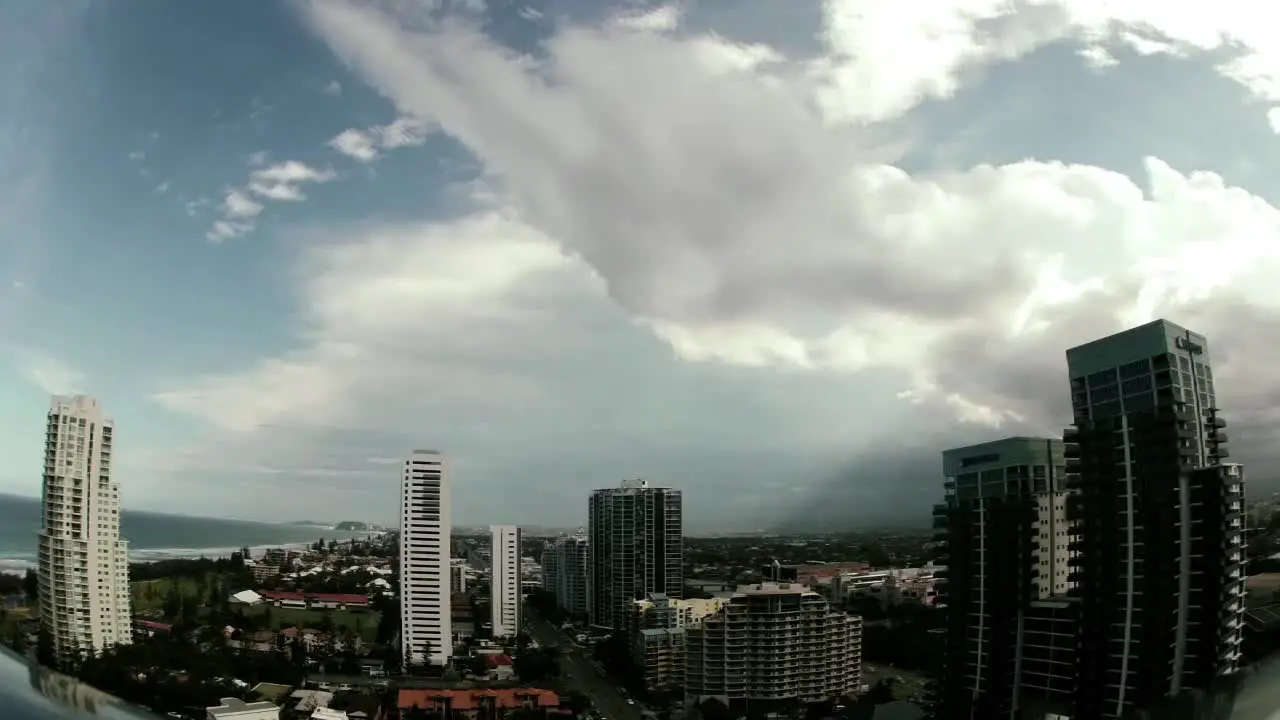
150,594
365,623
13,616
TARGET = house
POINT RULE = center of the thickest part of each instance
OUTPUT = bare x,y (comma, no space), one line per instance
357,706
315,601
149,628
337,601
499,667
246,597
237,709
329,714
261,641
272,692
478,704
307,701
285,599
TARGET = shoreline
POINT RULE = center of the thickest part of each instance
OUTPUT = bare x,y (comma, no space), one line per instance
19,564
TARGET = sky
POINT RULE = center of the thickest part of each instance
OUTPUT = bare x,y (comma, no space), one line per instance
777,254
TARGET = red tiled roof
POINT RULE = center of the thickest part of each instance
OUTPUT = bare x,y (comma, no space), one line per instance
495,661
151,625
340,598
472,699
343,599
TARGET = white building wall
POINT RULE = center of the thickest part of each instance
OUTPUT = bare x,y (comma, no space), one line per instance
425,526
83,563
1051,544
504,580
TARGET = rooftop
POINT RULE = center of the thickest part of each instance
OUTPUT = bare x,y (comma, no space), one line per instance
775,589
231,706
474,699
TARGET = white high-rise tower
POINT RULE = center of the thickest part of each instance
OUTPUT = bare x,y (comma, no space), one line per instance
84,565
504,580
425,526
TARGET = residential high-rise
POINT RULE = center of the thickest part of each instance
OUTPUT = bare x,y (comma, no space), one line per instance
1158,520
566,570
83,563
1006,541
773,645
504,581
425,525
637,548
1151,605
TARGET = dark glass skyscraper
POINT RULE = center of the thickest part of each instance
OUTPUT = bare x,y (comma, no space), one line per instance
637,547
1149,604
1157,521
1004,528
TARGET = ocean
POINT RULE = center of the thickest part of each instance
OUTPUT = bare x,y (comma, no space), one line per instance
155,536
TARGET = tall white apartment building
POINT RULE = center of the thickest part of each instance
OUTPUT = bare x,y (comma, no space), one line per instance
425,525
504,580
83,563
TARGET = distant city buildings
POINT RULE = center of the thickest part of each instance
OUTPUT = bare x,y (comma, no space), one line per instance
771,646
83,563
425,525
1144,513
566,573
505,594
637,548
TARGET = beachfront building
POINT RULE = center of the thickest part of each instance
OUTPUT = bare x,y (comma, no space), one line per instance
83,563
504,581
425,524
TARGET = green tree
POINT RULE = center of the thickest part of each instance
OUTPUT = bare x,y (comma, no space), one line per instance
44,648
880,693
31,587
172,606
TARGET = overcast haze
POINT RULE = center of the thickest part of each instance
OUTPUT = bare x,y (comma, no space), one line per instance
778,254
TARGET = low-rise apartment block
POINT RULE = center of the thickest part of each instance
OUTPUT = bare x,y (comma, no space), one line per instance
657,636
773,644
491,704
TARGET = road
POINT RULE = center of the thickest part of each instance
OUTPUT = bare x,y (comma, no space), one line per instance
579,671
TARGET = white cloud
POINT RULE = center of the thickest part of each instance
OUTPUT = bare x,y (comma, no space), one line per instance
137,156
1273,117
162,188
659,19
725,197
50,374
372,296
239,204
193,207
333,89
282,182
744,228
363,145
355,144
